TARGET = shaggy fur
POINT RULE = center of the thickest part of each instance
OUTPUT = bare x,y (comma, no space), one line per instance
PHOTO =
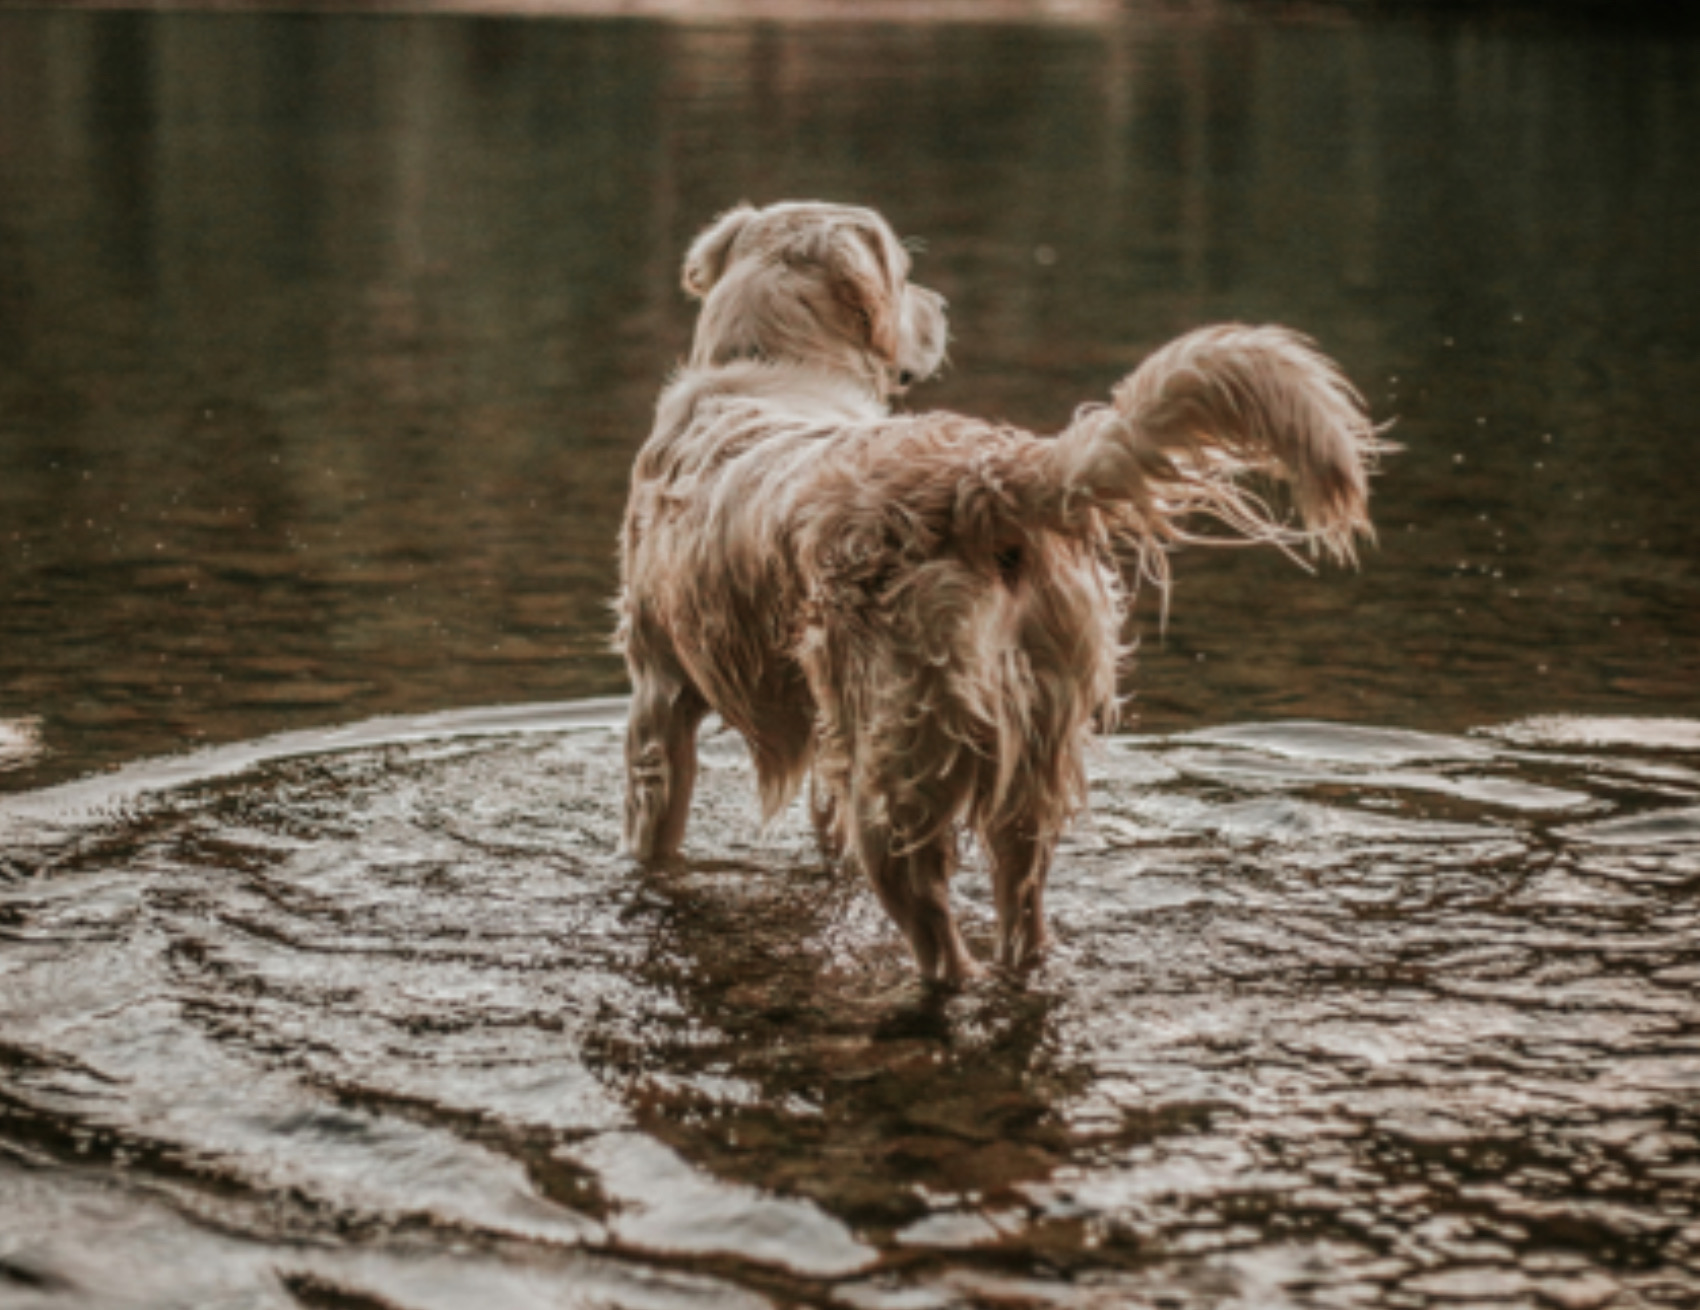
923,613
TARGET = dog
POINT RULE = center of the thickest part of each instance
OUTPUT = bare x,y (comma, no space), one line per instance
922,614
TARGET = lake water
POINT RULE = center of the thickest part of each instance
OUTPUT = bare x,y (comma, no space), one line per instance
325,346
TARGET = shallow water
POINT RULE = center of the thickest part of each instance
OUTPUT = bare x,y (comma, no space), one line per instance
1339,1016
325,345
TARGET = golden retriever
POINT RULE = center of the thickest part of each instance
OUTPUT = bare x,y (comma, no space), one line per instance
922,613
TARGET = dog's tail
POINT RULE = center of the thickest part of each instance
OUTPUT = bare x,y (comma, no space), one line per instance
1205,409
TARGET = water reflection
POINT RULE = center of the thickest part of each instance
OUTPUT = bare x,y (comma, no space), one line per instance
328,341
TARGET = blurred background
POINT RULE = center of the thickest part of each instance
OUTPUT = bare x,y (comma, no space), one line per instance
327,337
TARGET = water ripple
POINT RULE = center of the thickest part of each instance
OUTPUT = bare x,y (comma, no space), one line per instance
1338,1015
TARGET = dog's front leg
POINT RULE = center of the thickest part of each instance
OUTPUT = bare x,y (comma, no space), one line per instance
823,813
661,765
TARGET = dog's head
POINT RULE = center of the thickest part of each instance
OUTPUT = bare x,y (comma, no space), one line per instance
815,284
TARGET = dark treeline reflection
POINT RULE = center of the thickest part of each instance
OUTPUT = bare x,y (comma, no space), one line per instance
325,342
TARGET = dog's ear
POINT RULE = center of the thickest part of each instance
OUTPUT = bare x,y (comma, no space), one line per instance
707,258
862,281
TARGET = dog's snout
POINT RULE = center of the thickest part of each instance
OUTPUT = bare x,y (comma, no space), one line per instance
905,378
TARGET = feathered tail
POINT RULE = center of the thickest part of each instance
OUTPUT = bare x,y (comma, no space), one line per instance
1207,408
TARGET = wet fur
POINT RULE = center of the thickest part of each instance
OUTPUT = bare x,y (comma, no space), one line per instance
922,614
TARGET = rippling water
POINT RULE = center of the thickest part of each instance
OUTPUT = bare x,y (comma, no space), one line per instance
1339,1016
325,346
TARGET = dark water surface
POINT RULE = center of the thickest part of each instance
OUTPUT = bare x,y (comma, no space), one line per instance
325,345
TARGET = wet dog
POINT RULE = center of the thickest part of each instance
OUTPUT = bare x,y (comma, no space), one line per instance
922,614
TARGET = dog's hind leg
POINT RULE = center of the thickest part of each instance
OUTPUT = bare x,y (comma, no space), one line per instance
913,883
661,763
1021,862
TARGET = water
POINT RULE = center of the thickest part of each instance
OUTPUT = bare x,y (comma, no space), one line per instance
325,345
1341,1015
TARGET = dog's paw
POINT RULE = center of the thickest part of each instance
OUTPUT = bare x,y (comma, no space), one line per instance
953,974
